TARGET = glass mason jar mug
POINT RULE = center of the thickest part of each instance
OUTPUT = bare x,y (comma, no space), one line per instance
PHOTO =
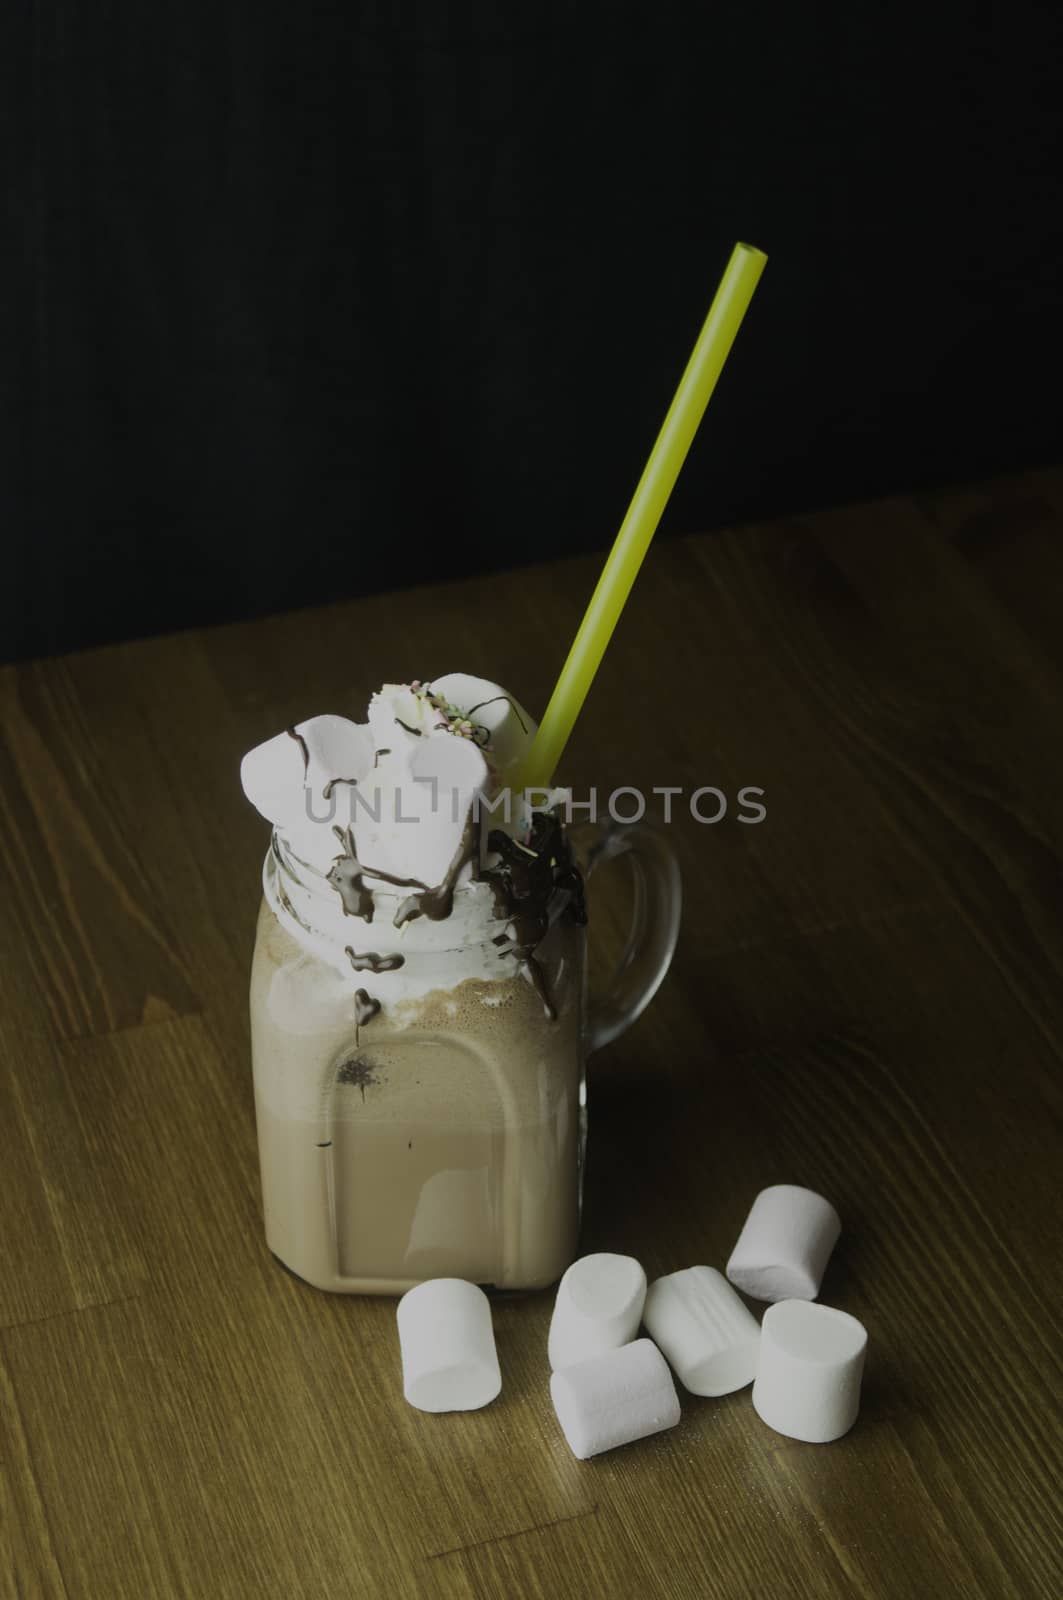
421,1105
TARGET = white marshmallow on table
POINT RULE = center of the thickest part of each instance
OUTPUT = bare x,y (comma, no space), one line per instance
710,1337
784,1247
598,1307
615,1398
811,1363
449,1362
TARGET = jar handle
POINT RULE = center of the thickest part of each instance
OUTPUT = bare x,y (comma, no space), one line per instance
655,913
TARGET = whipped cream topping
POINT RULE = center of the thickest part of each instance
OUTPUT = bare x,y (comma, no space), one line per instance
384,834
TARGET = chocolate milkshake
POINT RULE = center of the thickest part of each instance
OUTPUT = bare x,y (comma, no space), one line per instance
417,1000
439,1138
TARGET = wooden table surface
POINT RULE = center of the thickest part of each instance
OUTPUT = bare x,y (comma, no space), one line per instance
867,999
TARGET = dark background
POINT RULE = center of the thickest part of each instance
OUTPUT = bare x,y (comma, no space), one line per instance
306,300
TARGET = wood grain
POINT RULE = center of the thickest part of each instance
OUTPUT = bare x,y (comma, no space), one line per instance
866,999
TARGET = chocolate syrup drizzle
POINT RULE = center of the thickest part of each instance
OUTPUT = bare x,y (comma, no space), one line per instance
523,885
301,742
347,873
511,703
438,902
365,1008
327,790
371,962
345,876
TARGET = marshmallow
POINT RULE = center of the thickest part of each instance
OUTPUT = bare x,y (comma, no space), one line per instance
448,1346
811,1363
784,1246
286,779
614,1398
411,812
337,748
598,1307
273,775
704,1329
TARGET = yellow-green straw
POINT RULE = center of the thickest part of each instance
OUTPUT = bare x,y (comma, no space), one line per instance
643,514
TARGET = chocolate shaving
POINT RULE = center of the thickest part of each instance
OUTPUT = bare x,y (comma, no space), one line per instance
327,790
417,732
